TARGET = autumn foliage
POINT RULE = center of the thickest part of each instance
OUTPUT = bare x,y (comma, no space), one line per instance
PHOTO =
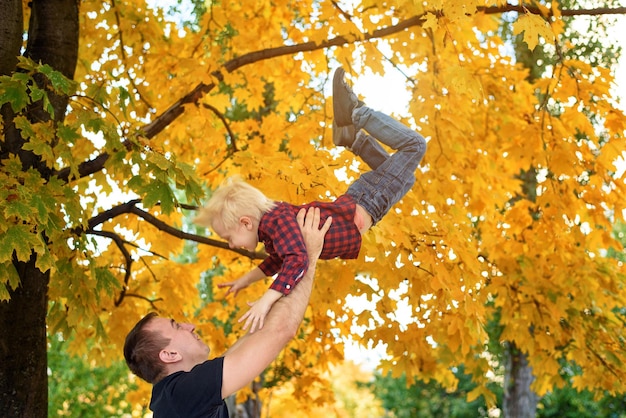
512,211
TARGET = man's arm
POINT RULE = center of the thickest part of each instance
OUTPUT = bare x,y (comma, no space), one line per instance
252,353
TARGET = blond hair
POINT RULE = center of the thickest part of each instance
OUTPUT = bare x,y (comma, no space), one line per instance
232,200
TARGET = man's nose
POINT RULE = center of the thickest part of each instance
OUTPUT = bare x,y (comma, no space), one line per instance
188,327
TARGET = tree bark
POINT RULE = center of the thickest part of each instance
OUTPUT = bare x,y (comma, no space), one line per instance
53,40
11,28
519,400
23,348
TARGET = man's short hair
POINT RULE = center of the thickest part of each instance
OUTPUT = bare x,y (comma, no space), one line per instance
232,200
142,348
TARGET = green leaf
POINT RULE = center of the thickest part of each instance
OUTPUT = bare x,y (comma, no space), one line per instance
25,127
9,279
19,209
67,134
12,166
20,239
136,183
59,82
124,97
159,192
14,92
37,94
38,204
39,146
45,261
94,124
194,191
159,160
106,281
4,292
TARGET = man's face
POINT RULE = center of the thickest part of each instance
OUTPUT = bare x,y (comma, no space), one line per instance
183,339
244,235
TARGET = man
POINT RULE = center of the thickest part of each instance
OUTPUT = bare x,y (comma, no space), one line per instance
172,357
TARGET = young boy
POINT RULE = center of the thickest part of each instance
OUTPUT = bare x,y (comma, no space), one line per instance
242,215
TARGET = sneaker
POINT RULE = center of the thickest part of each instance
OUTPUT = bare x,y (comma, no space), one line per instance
344,100
343,136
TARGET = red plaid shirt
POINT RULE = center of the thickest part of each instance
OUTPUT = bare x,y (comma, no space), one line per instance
279,231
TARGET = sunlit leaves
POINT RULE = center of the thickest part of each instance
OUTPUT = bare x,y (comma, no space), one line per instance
462,81
485,124
534,28
472,230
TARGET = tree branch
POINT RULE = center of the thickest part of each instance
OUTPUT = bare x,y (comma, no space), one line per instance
175,110
149,131
521,8
233,144
128,260
152,302
131,207
122,51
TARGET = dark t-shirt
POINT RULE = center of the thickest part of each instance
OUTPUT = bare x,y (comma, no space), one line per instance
197,393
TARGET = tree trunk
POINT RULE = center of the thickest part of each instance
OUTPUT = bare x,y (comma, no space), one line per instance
23,348
519,400
53,40
11,28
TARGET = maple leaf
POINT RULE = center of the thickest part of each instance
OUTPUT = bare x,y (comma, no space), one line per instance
534,28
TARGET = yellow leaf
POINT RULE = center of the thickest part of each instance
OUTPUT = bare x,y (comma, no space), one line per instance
534,28
460,80
490,397
430,21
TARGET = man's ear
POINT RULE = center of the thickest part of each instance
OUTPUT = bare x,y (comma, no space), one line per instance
169,356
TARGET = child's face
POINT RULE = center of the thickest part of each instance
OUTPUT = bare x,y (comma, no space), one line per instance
244,235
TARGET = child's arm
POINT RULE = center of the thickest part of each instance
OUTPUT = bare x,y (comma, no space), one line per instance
255,317
243,282
287,257
282,285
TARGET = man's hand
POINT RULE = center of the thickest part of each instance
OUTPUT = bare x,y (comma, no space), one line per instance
313,237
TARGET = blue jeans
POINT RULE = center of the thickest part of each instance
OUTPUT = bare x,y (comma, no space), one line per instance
392,176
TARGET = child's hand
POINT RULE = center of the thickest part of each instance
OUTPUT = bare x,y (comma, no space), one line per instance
242,282
255,317
233,287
